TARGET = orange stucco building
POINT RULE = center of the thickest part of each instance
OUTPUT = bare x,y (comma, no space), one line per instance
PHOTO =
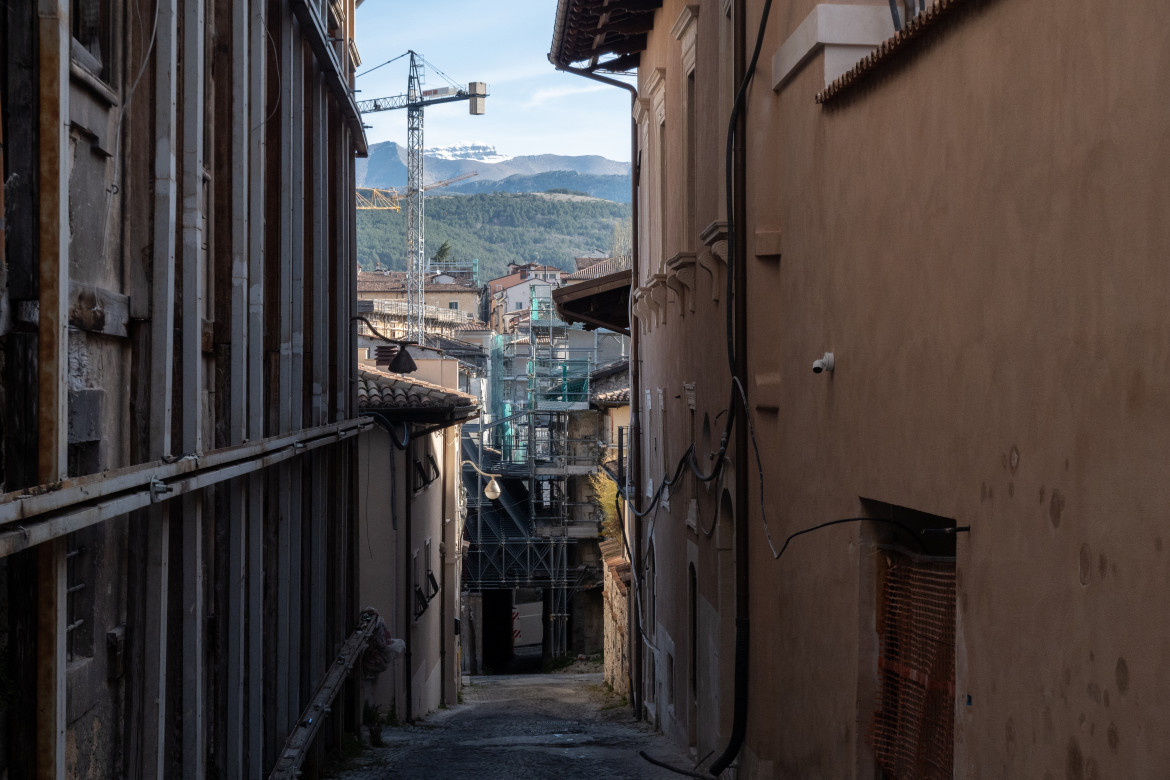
962,203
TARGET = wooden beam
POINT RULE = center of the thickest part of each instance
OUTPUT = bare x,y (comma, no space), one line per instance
237,722
193,236
335,75
162,309
98,311
299,739
54,39
51,588
241,223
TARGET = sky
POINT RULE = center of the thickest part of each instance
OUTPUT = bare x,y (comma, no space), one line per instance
532,108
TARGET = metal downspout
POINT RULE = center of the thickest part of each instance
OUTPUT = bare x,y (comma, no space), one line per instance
408,594
634,459
742,540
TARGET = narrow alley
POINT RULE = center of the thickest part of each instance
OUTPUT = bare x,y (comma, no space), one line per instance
565,726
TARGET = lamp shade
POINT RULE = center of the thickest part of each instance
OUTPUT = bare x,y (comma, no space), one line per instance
402,363
492,491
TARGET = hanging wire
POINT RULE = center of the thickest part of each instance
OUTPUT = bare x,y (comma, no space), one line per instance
445,77
387,62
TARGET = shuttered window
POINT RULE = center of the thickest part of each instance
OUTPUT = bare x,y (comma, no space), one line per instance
913,732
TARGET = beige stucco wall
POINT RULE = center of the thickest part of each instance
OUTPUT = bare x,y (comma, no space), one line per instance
976,233
386,574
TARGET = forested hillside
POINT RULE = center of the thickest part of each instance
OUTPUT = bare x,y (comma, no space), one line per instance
496,228
608,187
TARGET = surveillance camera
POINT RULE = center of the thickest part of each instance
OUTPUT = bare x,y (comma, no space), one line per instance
824,364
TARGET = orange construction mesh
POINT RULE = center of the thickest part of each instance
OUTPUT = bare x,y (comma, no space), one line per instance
914,727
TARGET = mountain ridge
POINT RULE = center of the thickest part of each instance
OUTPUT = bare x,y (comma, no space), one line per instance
386,165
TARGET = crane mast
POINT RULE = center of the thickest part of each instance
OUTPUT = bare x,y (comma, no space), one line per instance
414,101
415,232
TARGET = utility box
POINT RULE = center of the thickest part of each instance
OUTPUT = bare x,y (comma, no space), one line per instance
478,92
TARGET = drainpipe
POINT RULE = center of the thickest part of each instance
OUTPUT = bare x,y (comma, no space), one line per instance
635,642
635,427
407,588
738,258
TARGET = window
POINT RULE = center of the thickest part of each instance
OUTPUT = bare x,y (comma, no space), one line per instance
425,472
432,583
453,305
517,305
93,48
79,605
650,593
420,597
692,165
662,190
913,726
913,8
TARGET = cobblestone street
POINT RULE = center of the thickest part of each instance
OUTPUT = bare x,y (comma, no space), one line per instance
563,726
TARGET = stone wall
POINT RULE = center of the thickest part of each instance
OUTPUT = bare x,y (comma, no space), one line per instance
615,617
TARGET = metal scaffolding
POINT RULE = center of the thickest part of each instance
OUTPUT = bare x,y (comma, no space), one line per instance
541,436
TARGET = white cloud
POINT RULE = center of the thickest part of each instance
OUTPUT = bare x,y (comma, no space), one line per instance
542,96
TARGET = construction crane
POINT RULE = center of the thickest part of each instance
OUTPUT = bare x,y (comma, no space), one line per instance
414,101
388,199
377,199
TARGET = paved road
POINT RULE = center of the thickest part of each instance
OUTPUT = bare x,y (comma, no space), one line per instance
559,726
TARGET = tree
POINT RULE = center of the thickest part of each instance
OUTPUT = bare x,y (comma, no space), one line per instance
620,244
443,254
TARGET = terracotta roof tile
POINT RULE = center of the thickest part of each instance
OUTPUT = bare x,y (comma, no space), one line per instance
380,390
620,397
938,10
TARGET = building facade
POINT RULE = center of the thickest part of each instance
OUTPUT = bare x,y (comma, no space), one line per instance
177,424
411,520
957,201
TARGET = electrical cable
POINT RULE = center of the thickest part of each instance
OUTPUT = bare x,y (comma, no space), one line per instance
387,62
448,79
738,733
759,464
809,530
121,118
633,576
707,532
386,424
279,80
377,333
676,770
729,169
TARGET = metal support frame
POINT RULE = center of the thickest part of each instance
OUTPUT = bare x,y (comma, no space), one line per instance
415,231
536,381
237,721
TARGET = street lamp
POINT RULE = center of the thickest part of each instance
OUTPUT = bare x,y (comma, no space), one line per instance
492,490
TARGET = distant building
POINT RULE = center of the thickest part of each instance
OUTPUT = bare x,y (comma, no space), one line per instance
509,297
452,303
589,258
443,291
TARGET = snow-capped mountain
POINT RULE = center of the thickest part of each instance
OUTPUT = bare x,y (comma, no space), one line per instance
472,151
